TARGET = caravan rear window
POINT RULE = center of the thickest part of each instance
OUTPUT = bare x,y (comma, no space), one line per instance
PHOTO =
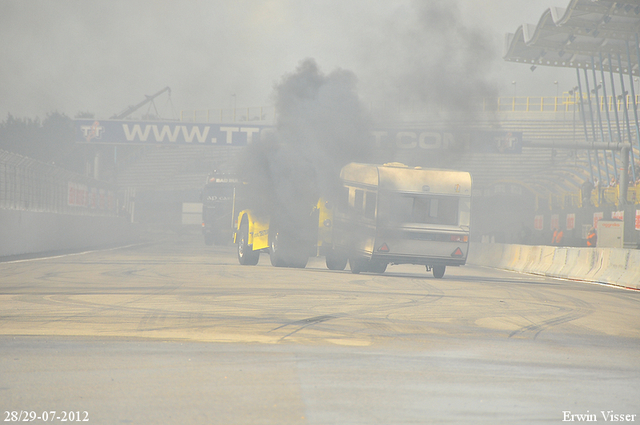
402,208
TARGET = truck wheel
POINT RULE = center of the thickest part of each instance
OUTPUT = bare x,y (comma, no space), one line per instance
246,255
208,239
438,271
378,267
335,261
276,254
358,265
299,262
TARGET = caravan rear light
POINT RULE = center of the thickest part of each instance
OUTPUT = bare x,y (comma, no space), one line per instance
384,248
459,238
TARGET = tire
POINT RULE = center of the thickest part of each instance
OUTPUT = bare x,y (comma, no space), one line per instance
438,271
378,267
300,262
276,255
246,255
358,265
335,261
208,239
284,252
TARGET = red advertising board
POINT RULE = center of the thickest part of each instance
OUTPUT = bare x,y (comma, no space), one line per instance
538,222
597,217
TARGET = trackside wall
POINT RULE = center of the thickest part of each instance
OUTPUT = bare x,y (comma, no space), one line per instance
30,232
613,266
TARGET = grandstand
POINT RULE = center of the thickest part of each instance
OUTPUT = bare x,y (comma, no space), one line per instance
599,39
175,167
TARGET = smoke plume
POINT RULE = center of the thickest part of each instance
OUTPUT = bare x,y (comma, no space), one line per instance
321,126
431,57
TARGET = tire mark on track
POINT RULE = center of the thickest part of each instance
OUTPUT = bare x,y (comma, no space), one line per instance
387,324
579,310
305,323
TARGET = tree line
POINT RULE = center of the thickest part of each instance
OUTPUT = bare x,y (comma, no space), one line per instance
49,140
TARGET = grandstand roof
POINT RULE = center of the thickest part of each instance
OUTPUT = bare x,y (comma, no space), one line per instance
572,37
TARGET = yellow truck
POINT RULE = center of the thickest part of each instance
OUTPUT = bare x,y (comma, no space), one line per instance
258,233
386,214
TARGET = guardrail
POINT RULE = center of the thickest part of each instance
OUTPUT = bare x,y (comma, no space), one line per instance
564,103
552,104
599,196
30,185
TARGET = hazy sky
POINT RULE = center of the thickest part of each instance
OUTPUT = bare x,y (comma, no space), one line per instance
101,56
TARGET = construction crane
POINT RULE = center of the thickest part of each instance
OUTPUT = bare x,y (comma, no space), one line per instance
131,109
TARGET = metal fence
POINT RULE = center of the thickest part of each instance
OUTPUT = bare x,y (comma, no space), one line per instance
31,185
564,103
598,197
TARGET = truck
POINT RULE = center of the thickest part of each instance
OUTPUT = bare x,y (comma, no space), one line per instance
385,214
217,208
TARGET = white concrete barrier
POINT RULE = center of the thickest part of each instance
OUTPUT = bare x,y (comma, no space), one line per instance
605,265
584,263
632,274
614,264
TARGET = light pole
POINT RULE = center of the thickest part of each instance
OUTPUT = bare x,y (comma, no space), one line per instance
573,93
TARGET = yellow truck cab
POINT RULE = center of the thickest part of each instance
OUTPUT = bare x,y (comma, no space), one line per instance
259,233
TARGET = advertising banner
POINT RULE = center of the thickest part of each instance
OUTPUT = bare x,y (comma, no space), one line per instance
166,132
538,222
77,195
80,195
243,133
597,216
429,139
571,221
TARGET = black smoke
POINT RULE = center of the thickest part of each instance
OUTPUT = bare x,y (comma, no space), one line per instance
430,58
435,68
321,126
452,61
